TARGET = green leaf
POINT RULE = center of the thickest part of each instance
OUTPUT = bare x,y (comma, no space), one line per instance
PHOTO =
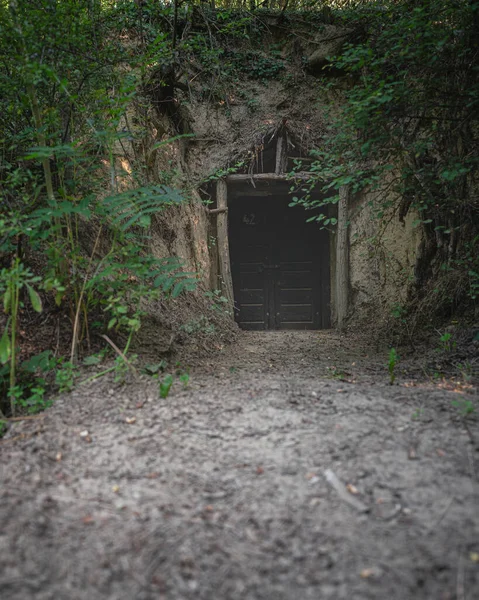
59,297
5,345
185,378
144,221
43,362
35,299
165,386
177,289
91,360
6,299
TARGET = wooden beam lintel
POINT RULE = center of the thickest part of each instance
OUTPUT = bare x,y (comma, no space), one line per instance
215,211
267,177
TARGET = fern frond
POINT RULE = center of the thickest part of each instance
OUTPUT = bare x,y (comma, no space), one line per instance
133,207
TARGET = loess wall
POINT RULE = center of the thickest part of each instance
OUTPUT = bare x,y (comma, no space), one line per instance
229,126
382,259
382,255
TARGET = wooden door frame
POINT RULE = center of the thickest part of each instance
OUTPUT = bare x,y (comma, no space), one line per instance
341,296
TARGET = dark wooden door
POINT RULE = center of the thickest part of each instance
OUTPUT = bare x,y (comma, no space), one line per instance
280,266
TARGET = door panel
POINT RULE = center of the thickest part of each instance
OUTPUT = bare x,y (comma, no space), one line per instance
249,296
296,279
252,313
301,313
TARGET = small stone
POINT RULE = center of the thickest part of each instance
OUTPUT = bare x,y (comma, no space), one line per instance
368,573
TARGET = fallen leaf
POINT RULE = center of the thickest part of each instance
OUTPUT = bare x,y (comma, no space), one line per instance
88,520
140,405
152,475
310,475
474,556
440,452
352,489
209,508
259,471
130,420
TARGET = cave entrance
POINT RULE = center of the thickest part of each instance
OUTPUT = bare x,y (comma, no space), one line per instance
279,262
275,268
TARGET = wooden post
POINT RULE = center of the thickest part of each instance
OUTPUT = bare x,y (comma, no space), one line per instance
213,252
280,154
342,258
222,241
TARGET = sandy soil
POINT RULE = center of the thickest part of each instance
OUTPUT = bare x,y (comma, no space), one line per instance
288,469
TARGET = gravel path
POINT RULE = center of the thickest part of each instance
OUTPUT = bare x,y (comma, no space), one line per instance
288,469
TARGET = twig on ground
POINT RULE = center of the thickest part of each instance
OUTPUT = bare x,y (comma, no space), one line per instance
470,451
25,418
122,355
22,436
437,522
460,592
343,493
97,375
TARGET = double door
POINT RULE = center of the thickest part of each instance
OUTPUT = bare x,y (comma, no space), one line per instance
280,266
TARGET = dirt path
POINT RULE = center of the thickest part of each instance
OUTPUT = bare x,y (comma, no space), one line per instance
219,492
